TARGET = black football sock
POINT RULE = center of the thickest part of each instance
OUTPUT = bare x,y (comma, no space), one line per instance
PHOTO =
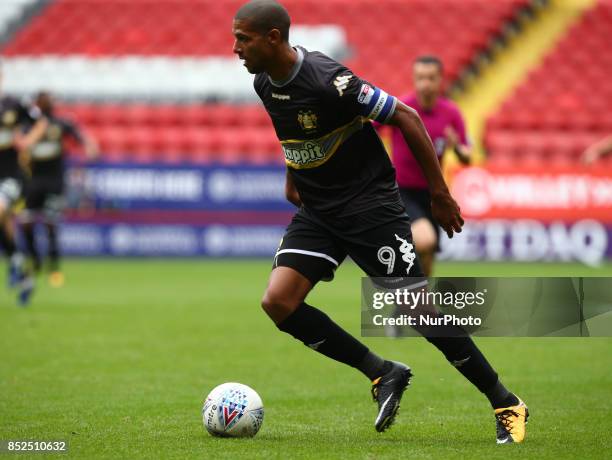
28,233
317,331
7,243
499,396
53,248
373,366
461,351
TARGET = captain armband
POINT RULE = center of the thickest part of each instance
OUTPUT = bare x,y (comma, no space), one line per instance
378,105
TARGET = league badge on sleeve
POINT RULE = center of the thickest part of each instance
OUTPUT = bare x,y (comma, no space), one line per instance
365,94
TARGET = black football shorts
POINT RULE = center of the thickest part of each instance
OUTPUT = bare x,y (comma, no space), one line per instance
45,194
379,240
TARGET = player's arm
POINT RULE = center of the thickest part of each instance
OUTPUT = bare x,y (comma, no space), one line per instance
358,97
456,138
463,151
444,208
25,141
291,192
597,150
31,117
89,144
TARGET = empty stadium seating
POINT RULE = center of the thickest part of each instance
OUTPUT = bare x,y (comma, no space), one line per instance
563,106
108,50
383,36
203,133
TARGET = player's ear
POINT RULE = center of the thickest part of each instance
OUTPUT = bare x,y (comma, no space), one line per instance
274,37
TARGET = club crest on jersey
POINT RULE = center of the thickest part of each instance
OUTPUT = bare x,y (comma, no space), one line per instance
9,117
341,83
307,120
232,408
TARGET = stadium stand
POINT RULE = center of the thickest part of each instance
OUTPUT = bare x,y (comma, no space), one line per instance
563,105
202,28
10,13
146,63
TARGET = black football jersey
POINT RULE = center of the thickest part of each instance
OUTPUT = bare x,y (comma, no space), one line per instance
321,114
48,153
14,116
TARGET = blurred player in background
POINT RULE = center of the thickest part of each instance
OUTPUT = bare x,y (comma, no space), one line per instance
44,191
21,126
598,150
446,128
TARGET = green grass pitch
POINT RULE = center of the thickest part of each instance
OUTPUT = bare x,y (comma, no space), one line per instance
118,363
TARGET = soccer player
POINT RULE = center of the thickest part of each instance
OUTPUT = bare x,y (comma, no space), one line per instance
446,128
341,178
21,126
44,200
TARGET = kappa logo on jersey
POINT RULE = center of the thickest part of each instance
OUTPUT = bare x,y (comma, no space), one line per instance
307,120
407,251
341,83
365,94
232,408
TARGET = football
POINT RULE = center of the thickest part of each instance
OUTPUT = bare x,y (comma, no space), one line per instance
233,410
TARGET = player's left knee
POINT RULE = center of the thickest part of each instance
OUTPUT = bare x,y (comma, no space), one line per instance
277,306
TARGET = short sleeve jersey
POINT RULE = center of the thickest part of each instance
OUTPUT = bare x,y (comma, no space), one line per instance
321,114
48,153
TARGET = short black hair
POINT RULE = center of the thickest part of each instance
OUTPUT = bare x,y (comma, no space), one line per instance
265,15
430,59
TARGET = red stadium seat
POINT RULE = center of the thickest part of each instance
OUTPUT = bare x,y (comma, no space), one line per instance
199,28
455,30
564,104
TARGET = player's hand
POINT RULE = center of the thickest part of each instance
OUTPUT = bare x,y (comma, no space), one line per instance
446,212
452,138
